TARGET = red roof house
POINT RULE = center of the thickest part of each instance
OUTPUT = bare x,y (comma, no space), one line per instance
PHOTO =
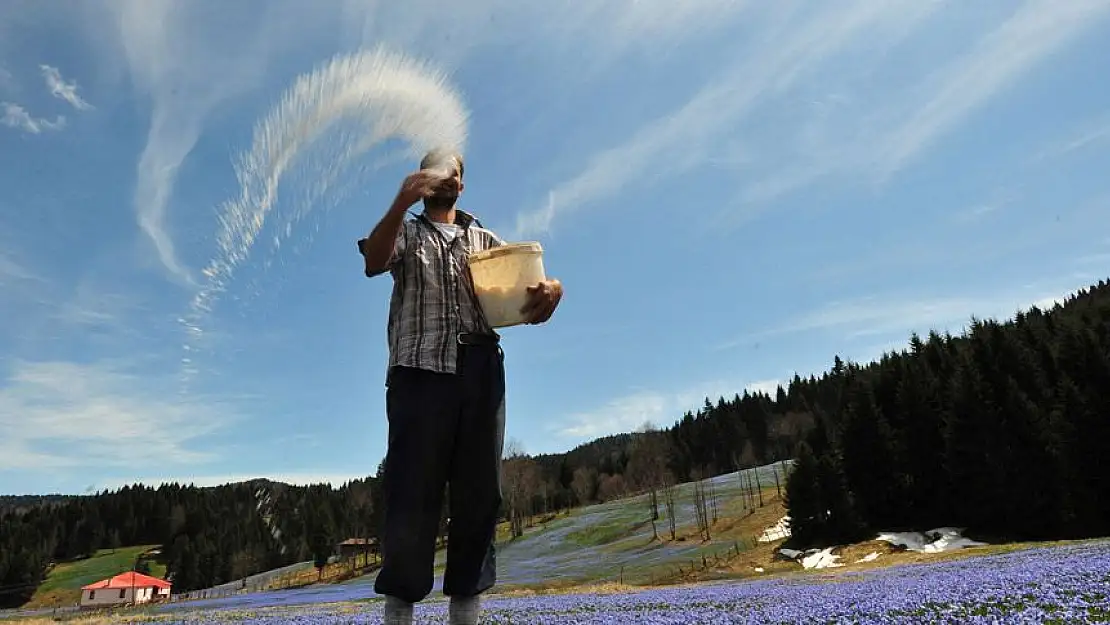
129,587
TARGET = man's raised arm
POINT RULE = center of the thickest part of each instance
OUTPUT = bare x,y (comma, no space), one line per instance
380,248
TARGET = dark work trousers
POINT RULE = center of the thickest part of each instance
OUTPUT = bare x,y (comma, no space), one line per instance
443,428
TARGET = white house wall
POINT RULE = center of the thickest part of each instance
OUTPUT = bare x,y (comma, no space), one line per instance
111,596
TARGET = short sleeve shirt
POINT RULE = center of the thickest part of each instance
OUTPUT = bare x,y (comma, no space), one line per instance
433,297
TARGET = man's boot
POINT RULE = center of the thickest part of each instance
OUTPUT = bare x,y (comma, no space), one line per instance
396,612
463,611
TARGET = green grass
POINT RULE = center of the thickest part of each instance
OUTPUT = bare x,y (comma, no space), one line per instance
605,533
62,585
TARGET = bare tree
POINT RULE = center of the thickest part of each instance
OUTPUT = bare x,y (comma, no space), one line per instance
700,508
713,499
758,487
668,501
584,485
740,478
610,487
545,495
520,480
747,455
647,467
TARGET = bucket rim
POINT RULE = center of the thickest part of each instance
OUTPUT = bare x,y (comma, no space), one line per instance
526,247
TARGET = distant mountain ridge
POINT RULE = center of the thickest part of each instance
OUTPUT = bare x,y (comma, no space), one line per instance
10,503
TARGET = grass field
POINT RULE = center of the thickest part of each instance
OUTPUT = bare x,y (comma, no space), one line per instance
62,586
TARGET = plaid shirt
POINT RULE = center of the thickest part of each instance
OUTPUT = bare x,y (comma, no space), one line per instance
433,298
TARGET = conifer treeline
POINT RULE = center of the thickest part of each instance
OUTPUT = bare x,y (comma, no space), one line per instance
1004,430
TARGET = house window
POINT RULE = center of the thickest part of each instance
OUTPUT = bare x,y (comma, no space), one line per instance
122,593
92,595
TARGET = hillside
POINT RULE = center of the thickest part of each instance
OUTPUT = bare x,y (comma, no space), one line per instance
614,542
608,543
610,547
62,586
1000,430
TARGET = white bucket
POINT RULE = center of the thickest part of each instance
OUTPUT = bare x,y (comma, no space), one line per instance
501,277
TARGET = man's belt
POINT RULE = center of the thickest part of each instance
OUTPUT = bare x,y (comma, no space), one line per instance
474,338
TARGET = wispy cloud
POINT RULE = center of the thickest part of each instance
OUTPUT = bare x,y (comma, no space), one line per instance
877,315
191,61
1035,31
187,65
15,116
899,314
95,309
12,271
607,29
977,212
997,201
685,138
628,412
622,414
63,90
68,414
1094,132
86,310
877,139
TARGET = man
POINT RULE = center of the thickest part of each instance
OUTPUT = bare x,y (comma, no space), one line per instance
445,394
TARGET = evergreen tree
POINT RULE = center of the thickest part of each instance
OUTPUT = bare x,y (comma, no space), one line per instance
843,523
808,509
869,461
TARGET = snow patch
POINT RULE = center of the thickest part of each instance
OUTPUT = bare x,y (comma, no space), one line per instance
778,531
933,541
823,559
871,557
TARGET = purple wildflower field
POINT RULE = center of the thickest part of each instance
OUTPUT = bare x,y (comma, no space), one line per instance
1059,584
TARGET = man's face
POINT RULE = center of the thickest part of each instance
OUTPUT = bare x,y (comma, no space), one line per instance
447,192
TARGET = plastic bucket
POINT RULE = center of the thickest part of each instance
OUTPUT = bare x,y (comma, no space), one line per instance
501,277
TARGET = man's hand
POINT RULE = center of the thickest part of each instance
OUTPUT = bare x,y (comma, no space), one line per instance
542,301
421,184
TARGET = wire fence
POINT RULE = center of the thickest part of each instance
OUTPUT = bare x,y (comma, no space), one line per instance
251,583
761,486
706,562
292,576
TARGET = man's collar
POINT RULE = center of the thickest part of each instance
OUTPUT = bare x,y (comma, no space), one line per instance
463,219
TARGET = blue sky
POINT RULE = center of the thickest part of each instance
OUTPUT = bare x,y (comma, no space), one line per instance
731,192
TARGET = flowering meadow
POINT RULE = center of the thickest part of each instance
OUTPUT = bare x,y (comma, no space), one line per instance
1060,584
